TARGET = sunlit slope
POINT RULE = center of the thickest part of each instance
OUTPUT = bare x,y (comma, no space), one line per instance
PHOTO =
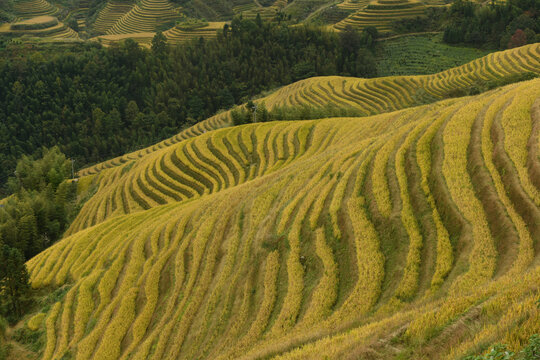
381,14
391,93
372,96
39,27
335,237
208,31
31,8
353,4
145,16
110,14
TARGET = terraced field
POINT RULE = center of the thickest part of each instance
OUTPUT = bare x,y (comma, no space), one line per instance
213,123
31,8
266,13
110,14
305,10
353,4
244,7
80,16
143,39
371,96
381,14
316,239
41,27
178,35
146,16
174,35
374,96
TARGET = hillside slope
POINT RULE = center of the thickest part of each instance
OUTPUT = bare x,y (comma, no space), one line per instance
382,13
329,238
146,16
110,14
31,8
371,96
39,27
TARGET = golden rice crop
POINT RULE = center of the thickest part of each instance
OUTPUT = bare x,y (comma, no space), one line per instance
456,137
516,124
51,330
288,256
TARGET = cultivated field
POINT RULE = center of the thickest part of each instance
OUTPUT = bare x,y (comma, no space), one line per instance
174,35
426,54
381,14
213,123
353,4
411,233
143,39
146,16
374,96
31,8
110,14
177,34
266,13
44,26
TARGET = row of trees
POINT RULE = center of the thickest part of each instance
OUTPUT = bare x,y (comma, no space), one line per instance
97,103
252,112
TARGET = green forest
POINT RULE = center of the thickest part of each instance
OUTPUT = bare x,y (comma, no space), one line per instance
34,217
498,25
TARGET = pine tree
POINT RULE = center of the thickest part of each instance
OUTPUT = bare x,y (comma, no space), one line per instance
132,110
159,44
14,282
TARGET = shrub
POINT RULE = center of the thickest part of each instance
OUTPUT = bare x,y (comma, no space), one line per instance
498,352
34,340
532,350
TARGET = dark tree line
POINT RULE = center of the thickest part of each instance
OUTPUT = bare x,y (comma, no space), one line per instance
97,103
494,25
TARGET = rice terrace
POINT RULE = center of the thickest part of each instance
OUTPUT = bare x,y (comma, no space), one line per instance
260,179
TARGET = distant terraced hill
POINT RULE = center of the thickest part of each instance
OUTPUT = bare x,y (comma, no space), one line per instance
110,14
353,4
225,10
266,13
146,16
381,14
31,8
174,35
410,234
40,27
372,96
177,34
